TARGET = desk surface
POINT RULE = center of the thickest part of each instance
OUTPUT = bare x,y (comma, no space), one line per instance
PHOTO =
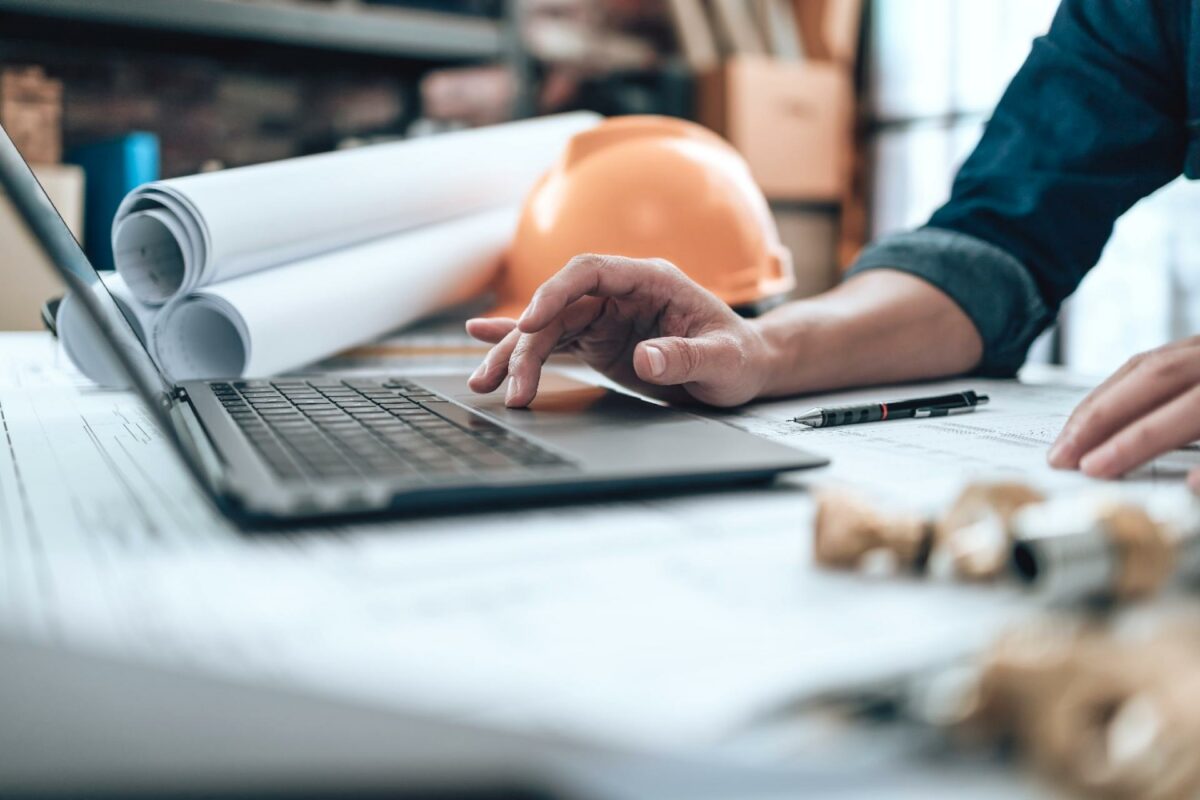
654,625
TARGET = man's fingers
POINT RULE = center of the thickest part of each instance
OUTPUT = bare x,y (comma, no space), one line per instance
1065,453
1175,424
489,329
492,372
532,350
1193,480
525,364
599,276
673,360
1151,381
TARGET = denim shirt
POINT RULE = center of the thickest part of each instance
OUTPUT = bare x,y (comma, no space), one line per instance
1105,110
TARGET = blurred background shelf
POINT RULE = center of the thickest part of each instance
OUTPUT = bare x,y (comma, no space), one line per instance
350,28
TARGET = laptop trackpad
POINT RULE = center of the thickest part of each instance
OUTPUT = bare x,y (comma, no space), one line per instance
611,432
561,401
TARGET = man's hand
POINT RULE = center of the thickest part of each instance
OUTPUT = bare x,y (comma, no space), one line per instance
641,322
1150,406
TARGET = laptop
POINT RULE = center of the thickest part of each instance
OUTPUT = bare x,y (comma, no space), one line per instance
326,445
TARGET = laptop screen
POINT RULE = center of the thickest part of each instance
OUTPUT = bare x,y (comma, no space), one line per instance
112,329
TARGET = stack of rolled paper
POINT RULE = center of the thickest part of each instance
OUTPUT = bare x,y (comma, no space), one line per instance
263,269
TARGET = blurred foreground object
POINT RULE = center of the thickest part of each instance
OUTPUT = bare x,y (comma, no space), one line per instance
1083,547
971,540
649,187
848,532
1105,701
1105,713
1108,548
1105,708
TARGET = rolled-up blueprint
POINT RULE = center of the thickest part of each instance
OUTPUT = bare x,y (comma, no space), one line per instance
280,319
80,338
172,237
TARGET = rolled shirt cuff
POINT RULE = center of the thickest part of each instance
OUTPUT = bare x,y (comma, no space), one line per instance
987,282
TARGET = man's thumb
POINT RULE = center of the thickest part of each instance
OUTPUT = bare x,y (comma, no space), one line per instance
673,360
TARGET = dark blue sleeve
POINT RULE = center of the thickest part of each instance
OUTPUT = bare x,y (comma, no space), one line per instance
1094,121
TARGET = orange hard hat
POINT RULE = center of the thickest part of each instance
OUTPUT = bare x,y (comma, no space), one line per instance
649,187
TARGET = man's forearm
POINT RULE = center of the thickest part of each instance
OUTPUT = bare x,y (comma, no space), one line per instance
881,326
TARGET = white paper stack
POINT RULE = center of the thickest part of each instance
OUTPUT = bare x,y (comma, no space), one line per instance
258,270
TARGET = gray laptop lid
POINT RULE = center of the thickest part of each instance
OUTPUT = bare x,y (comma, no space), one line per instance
81,279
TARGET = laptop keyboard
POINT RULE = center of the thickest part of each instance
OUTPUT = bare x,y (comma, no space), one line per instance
337,429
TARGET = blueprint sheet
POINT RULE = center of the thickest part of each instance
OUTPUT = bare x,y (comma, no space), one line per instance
922,463
669,623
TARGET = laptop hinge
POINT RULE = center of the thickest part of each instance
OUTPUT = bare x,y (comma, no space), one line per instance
195,438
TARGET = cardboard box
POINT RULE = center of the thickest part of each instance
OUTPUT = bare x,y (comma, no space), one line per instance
830,29
31,112
812,234
793,122
842,26
29,85
35,128
27,279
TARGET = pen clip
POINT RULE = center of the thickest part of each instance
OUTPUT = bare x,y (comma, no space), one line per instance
933,411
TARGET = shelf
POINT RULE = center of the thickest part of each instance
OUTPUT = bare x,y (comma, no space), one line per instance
389,32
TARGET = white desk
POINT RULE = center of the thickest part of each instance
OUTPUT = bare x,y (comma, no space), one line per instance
660,627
